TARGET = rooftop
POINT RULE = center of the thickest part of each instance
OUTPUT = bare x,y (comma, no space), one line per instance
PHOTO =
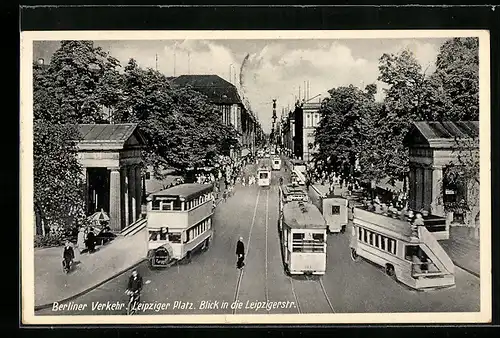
435,134
187,190
109,135
303,215
218,90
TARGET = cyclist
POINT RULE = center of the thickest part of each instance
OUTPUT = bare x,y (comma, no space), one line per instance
134,287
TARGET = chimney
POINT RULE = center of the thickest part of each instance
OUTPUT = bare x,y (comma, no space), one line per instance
41,61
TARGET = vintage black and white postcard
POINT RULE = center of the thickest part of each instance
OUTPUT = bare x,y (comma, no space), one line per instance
174,177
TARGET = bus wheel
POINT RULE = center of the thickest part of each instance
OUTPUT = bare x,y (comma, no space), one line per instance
389,270
188,257
354,255
206,244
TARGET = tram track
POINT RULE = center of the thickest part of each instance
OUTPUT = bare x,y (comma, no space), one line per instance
266,251
242,271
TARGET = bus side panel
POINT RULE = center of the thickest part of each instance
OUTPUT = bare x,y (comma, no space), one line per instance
200,213
307,262
195,243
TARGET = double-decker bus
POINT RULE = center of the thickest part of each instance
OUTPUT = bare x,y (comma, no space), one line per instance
303,238
416,260
179,222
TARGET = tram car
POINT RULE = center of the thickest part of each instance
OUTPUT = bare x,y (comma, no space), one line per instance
179,223
277,163
303,239
334,208
264,173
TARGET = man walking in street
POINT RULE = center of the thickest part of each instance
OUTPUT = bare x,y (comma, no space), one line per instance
240,253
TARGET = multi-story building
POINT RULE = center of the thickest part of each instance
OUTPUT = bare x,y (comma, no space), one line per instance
306,118
225,96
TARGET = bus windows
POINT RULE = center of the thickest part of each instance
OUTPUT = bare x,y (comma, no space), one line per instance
410,251
391,246
377,240
156,204
177,205
360,233
370,238
335,210
297,241
153,236
174,237
365,236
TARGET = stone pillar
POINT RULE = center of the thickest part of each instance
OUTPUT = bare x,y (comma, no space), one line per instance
437,207
138,191
427,188
418,188
132,211
124,181
115,214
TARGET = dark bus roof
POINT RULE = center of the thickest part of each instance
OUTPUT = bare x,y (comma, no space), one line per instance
300,215
185,191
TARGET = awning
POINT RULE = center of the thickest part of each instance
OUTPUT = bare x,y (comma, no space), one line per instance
385,185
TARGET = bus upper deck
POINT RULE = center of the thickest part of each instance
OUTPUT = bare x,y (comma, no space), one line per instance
415,259
293,192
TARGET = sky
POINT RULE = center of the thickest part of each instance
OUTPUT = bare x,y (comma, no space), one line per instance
274,69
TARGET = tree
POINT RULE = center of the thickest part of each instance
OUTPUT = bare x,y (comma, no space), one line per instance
463,176
58,180
345,128
453,88
182,129
405,102
81,79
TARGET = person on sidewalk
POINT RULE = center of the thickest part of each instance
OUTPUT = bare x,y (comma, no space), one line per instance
68,256
240,253
91,240
80,241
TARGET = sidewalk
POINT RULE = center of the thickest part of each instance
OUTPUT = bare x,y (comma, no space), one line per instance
462,248
52,284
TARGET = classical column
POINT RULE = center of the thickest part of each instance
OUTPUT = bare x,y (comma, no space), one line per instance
437,207
124,181
131,194
115,214
138,191
427,188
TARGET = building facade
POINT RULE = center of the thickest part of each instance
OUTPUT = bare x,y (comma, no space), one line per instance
110,155
302,123
224,95
434,148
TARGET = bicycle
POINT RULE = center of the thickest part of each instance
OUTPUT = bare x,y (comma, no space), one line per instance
133,301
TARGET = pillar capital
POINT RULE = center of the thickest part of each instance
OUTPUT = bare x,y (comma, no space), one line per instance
113,168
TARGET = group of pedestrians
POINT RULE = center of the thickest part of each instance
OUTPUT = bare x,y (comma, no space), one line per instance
86,242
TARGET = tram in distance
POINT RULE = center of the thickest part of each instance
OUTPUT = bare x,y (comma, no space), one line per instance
414,259
264,173
277,163
303,237
179,223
